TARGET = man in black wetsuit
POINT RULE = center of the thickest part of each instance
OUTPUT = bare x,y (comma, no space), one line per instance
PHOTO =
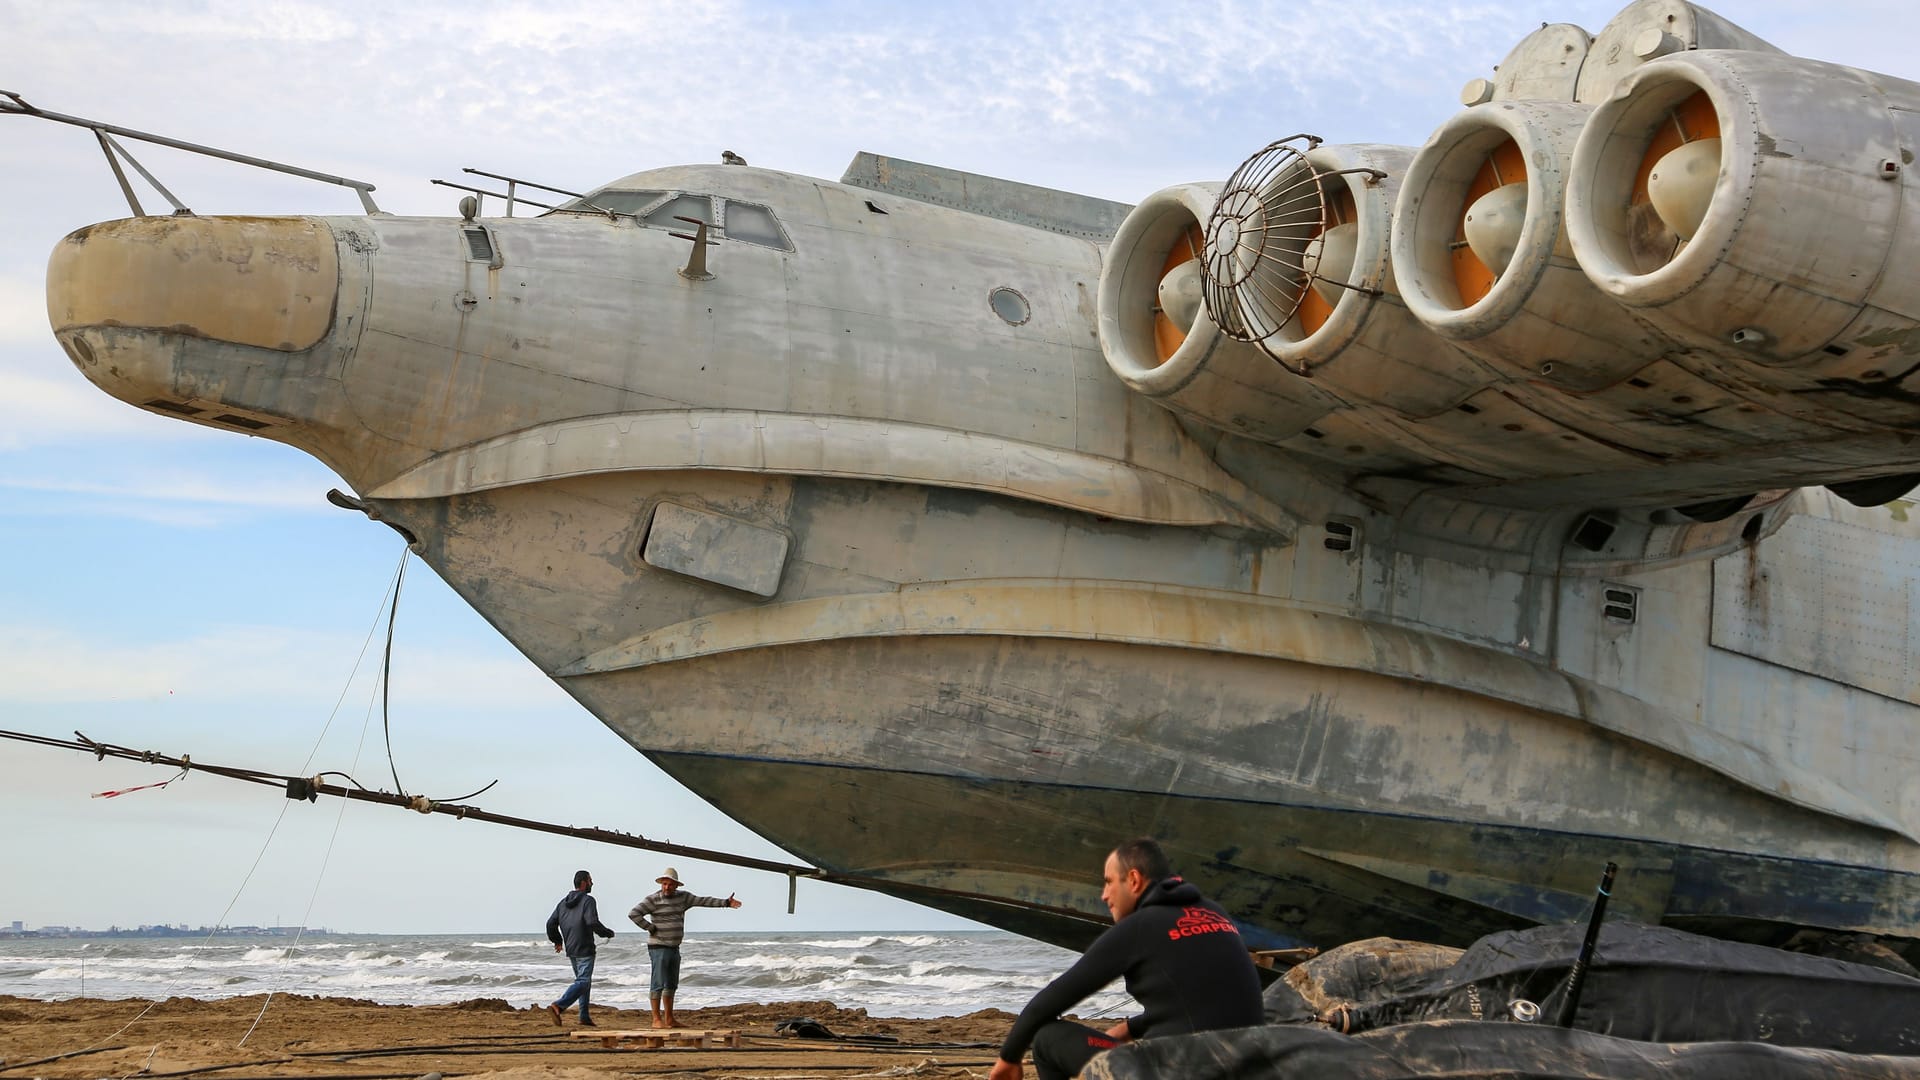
1182,957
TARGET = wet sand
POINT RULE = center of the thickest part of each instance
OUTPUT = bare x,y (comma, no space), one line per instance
342,1037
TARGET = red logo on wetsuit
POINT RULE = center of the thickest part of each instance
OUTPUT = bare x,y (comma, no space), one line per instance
1195,921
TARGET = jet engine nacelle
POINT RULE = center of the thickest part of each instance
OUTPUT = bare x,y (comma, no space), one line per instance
1158,338
1736,211
1482,255
1334,312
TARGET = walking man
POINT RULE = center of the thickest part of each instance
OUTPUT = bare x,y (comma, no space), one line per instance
574,921
668,911
1183,960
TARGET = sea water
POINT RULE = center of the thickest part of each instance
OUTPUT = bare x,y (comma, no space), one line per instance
935,973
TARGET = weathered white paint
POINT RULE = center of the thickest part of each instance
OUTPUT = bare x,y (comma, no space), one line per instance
1018,573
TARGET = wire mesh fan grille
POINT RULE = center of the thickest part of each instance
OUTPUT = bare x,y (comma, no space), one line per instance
1256,274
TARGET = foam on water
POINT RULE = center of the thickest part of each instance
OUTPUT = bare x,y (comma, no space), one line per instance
899,974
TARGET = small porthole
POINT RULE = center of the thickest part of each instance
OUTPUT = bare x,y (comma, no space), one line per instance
1010,306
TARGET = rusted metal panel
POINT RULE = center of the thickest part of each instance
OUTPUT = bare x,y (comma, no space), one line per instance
1009,200
716,548
264,282
1828,598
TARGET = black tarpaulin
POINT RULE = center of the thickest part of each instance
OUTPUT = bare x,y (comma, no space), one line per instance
1660,985
1463,1049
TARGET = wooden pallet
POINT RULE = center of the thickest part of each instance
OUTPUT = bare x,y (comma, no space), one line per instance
662,1039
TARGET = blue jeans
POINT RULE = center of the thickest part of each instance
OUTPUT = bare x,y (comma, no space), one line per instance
666,970
582,987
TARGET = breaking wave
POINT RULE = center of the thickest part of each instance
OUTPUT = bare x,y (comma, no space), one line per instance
906,975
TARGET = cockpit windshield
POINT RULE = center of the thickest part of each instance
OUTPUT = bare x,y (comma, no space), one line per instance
620,202
698,207
749,223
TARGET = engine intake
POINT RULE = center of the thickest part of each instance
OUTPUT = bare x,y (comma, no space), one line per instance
1297,260
1482,256
1159,339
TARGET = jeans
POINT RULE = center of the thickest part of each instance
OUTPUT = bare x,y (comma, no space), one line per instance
666,970
582,987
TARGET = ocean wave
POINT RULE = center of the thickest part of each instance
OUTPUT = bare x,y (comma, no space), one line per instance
841,943
477,979
787,962
906,974
365,978
374,958
913,941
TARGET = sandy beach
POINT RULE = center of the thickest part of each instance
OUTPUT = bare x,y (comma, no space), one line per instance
342,1037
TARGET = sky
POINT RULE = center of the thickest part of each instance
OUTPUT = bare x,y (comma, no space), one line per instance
170,587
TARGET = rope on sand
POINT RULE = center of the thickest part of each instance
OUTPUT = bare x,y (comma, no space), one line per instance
6,1065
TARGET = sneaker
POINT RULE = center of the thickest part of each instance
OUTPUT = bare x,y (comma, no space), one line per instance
554,1011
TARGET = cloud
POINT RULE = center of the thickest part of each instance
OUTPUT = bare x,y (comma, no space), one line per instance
290,668
184,488
23,310
64,407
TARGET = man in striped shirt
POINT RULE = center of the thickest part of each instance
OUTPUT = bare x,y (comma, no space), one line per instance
664,917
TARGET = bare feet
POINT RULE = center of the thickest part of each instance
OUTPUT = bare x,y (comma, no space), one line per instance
659,1023
554,1011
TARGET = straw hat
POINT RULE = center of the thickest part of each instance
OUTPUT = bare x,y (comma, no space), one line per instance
670,874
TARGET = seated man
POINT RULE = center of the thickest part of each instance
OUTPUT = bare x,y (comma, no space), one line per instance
1182,957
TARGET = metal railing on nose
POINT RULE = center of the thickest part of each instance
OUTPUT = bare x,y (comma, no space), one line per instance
14,104
512,194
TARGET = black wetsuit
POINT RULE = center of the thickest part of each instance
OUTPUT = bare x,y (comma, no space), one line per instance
1184,963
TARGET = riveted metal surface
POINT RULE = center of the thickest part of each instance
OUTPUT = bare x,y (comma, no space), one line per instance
1827,598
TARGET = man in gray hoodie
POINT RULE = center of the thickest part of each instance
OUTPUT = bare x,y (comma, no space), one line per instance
574,921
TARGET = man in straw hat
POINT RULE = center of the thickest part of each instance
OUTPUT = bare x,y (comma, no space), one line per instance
663,916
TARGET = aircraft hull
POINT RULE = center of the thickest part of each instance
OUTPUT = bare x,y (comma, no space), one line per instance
978,727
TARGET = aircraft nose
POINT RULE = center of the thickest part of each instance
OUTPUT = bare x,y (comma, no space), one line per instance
122,294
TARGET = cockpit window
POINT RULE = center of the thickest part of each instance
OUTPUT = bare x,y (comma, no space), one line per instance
749,223
755,225
693,206
620,202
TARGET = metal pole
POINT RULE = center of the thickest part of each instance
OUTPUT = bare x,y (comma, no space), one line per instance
1577,975
21,107
310,788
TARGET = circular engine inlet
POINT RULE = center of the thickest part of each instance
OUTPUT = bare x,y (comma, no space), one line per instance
1257,264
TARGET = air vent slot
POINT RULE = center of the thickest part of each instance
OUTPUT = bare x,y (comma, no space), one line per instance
1593,533
479,245
247,422
1340,536
175,407
1620,605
